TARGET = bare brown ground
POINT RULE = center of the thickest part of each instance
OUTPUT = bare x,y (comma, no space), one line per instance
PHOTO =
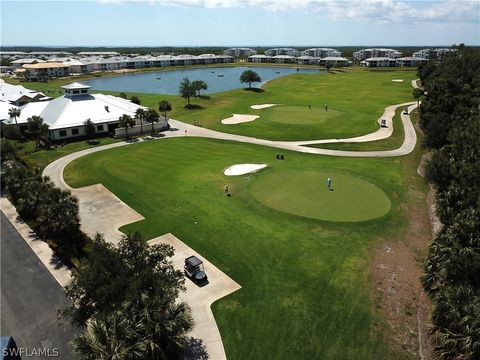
396,270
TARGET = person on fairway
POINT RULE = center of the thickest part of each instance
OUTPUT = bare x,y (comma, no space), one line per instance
329,184
225,190
326,107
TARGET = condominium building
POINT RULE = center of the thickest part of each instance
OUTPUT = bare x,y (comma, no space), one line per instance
436,54
321,52
240,52
410,61
282,51
45,70
376,53
379,62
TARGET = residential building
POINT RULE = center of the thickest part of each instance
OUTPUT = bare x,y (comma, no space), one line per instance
259,59
335,61
436,54
45,70
379,62
98,53
321,52
376,53
239,52
307,60
283,59
282,51
410,61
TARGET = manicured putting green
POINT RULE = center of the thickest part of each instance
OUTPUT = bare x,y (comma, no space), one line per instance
305,193
302,115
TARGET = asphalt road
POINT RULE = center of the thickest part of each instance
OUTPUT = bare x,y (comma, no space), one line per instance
30,298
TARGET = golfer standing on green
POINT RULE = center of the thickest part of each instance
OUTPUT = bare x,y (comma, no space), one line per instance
329,184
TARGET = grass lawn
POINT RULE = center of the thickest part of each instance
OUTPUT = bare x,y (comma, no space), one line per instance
391,143
305,282
41,158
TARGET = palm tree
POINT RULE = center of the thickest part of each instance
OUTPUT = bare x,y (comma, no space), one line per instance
151,116
165,106
108,338
417,94
140,114
38,128
163,325
15,113
126,121
186,90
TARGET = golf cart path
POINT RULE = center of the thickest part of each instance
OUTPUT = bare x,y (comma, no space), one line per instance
101,211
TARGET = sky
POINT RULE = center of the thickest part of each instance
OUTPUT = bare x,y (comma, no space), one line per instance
239,22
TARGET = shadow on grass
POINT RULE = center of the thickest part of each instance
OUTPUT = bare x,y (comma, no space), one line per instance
205,97
255,90
193,106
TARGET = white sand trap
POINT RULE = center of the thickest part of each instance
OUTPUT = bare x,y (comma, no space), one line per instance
397,80
242,169
239,118
262,106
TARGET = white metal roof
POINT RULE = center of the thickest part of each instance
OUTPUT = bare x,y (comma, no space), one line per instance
70,111
10,92
75,86
4,108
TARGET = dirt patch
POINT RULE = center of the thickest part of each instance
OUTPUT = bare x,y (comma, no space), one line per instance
396,270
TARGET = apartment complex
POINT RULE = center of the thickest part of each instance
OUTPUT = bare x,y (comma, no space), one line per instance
282,51
376,53
321,52
240,52
436,54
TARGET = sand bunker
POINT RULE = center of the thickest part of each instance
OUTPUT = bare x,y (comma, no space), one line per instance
239,118
262,106
242,169
397,80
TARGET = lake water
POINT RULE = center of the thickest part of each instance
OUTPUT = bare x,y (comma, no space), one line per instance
167,82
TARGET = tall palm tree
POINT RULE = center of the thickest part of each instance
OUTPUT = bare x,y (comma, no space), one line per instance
165,106
151,116
110,337
38,128
140,114
126,121
186,90
14,113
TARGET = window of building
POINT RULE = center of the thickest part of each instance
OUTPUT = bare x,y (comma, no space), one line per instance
84,91
76,91
74,131
62,133
99,127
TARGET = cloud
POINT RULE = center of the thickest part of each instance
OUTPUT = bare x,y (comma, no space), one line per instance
379,11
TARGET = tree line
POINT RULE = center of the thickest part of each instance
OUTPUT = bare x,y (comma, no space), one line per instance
450,121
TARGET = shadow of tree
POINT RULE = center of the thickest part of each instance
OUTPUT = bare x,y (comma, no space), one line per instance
196,350
255,90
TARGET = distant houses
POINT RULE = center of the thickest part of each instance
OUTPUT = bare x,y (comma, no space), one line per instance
42,65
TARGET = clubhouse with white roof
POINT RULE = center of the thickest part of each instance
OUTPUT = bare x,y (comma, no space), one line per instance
66,115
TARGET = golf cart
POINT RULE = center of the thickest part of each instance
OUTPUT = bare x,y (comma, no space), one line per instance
194,269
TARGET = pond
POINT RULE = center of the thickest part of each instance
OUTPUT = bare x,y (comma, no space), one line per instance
167,82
